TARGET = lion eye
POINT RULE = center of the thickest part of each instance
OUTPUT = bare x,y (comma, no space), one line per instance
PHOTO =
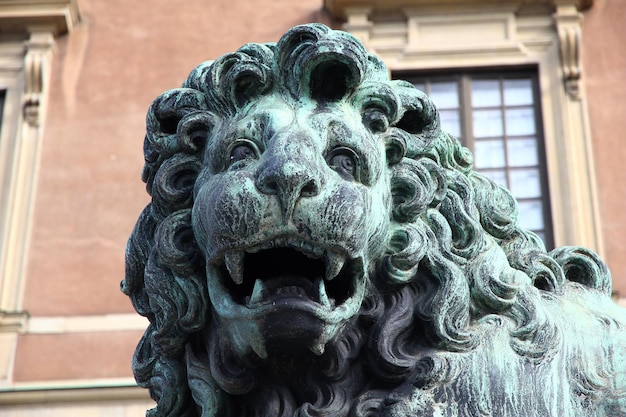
243,150
344,161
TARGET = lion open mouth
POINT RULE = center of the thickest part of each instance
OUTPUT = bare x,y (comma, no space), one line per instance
289,269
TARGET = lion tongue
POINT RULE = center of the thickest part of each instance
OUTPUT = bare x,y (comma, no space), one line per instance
289,287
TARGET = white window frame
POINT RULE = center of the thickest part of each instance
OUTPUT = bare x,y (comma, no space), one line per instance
466,34
464,109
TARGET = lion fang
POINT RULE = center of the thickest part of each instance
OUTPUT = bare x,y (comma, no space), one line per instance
234,264
257,292
334,265
321,290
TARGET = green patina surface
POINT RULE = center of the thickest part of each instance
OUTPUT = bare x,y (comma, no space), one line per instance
317,246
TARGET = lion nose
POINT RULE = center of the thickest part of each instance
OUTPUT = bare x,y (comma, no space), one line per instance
289,180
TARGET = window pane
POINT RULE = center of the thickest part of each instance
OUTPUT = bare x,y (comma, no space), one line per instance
489,154
520,121
420,86
498,176
487,123
445,95
450,122
497,119
525,183
486,93
522,152
518,92
531,214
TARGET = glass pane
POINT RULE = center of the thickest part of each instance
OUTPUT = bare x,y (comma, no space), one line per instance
489,154
498,176
531,214
518,92
450,122
487,123
520,121
420,86
485,93
525,183
522,152
445,95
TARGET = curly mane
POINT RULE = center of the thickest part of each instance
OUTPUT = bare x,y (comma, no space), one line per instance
456,264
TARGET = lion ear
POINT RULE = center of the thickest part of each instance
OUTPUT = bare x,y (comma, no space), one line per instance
332,80
321,63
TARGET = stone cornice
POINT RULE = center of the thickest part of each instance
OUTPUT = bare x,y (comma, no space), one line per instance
60,392
337,8
22,15
12,321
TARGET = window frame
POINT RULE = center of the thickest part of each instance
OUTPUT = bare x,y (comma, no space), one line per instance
464,78
419,35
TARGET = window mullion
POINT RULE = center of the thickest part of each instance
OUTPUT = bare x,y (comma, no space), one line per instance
507,164
465,100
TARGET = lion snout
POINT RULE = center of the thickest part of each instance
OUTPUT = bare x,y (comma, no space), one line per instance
288,178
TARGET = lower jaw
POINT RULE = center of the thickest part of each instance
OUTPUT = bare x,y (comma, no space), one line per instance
292,330
282,323
283,326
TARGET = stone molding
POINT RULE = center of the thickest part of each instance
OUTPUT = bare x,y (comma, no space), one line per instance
19,15
338,8
568,23
26,51
36,68
71,392
81,324
13,321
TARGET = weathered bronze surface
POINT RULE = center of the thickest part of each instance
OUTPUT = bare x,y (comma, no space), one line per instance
317,246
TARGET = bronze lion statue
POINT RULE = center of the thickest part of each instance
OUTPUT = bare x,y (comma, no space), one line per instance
317,246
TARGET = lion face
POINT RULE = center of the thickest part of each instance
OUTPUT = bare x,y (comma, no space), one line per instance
290,207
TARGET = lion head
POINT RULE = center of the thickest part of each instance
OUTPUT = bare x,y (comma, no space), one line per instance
315,241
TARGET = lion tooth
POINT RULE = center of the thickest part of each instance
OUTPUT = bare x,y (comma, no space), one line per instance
334,264
318,348
234,264
257,292
321,290
259,349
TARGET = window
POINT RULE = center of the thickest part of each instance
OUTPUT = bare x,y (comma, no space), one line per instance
497,116
426,36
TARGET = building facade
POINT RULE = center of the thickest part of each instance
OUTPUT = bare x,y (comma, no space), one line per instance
545,79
